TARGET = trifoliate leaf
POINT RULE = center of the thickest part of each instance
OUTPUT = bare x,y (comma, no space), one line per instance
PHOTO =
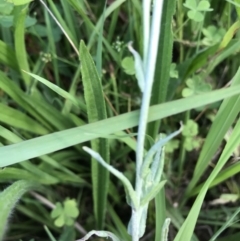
128,65
195,86
196,9
190,128
173,71
70,208
192,143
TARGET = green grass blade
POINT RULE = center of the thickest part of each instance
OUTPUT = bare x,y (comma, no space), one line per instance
8,200
20,120
59,140
11,173
118,224
227,173
96,111
226,115
63,24
187,229
230,237
52,45
8,56
55,88
71,21
18,95
99,46
20,13
116,4
44,112
92,28
9,136
226,225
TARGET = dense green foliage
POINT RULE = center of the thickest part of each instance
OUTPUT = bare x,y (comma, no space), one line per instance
69,78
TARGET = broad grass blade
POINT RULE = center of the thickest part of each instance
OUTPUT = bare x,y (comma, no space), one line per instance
96,111
8,199
187,229
226,116
20,13
59,140
8,56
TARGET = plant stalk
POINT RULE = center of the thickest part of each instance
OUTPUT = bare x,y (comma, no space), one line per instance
149,70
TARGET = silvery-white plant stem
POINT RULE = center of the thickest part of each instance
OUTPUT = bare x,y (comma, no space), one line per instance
146,29
149,71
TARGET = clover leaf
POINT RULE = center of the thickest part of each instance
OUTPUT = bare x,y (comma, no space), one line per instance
196,9
192,143
190,128
128,65
171,146
212,35
19,2
65,214
195,86
6,13
190,132
173,71
5,7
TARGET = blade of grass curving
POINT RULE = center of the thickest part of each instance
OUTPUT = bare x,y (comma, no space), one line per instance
186,231
49,233
116,4
44,112
229,35
227,224
99,44
232,47
8,200
237,6
230,237
197,61
20,2
20,120
39,218
118,224
177,218
62,24
11,173
8,56
59,140
160,211
70,18
226,115
72,91
227,173
96,111
20,13
9,136
33,172
91,28
49,113
17,95
113,25
52,47
55,88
